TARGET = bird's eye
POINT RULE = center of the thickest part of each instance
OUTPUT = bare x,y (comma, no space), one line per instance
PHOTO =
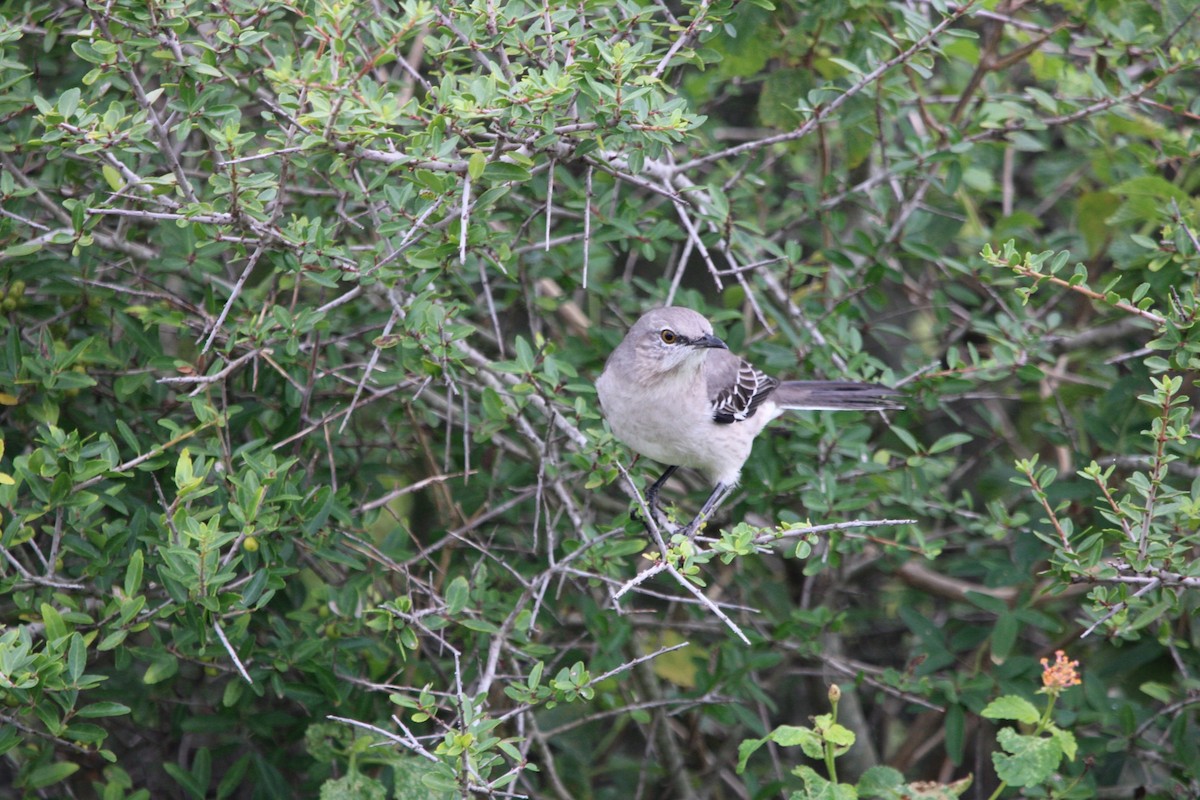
669,336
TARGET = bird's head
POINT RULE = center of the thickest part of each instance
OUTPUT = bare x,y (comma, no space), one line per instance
666,339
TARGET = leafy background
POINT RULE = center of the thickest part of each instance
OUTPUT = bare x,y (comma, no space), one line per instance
305,489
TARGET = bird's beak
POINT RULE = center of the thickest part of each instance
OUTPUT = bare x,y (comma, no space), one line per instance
708,341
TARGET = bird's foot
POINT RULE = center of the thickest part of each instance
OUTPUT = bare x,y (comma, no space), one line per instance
662,522
659,520
692,528
720,492
656,514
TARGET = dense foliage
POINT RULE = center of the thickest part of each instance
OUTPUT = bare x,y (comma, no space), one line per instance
305,487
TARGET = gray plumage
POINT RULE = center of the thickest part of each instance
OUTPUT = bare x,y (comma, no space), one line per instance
673,392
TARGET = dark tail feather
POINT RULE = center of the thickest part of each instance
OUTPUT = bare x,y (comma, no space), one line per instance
835,396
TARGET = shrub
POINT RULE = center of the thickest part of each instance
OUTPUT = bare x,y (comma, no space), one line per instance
306,489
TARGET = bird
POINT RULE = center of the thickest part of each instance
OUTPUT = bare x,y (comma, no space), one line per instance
674,393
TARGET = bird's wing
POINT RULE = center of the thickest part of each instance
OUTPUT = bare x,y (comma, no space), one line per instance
735,388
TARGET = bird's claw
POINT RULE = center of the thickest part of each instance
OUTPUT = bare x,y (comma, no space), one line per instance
661,521
694,527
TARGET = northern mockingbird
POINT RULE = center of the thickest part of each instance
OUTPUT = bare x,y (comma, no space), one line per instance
673,392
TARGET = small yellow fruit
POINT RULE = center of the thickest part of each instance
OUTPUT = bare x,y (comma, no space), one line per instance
250,544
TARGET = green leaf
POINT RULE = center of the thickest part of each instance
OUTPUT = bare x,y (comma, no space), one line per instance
184,779
745,750
104,708
88,53
409,772
849,66
817,787
500,171
457,595
807,739
133,574
1152,186
204,69
76,657
183,469
1030,373
880,782
86,733
202,768
950,441
1158,690
10,737
68,102
1065,739
1029,761
987,602
232,778
50,774
55,627
525,358
354,786
112,177
483,626
113,640
1004,636
1011,707
838,735
18,250
909,440
161,670
475,165
955,728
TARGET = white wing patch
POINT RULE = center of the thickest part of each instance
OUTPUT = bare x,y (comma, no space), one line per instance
741,399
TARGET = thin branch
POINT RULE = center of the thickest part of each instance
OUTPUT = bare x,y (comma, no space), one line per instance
822,112
403,490
1086,292
1150,586
233,296
216,376
358,390
237,662
128,465
684,40
464,220
408,741
587,223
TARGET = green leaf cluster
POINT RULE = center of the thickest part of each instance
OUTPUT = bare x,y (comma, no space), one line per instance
305,490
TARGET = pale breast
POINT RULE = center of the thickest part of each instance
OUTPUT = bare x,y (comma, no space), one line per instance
672,423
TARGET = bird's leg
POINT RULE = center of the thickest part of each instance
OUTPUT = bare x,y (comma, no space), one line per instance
652,501
718,496
652,492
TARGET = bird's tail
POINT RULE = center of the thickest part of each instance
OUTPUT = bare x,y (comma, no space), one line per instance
835,396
